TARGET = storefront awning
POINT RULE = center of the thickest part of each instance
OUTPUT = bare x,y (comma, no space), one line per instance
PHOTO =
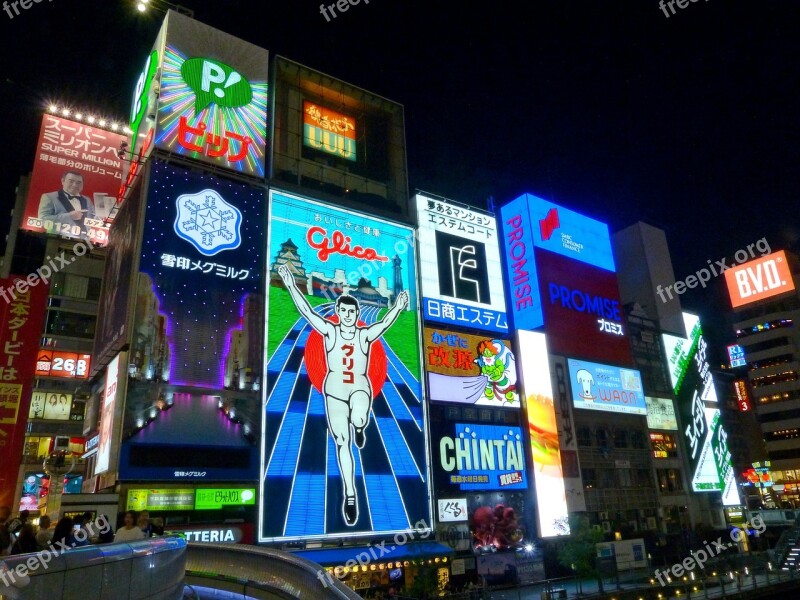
388,551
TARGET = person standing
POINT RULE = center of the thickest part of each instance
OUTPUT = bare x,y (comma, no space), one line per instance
129,532
45,535
26,542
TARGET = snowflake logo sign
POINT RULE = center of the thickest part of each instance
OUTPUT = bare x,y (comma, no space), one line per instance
208,222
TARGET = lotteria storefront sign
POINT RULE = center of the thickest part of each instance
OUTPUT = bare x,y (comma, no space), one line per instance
211,535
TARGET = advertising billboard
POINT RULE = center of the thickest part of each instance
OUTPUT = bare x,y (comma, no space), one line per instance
461,273
65,365
329,131
108,412
522,281
470,369
661,414
52,406
736,356
21,319
603,387
113,323
76,176
160,499
583,313
693,384
548,471
478,457
213,97
344,420
568,233
759,279
452,510
570,462
197,326
214,498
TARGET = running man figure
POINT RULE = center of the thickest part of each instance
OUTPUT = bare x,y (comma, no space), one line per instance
347,388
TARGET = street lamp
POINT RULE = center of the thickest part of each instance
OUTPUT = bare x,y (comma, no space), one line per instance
162,6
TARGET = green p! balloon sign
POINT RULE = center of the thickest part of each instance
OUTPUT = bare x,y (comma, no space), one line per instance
215,82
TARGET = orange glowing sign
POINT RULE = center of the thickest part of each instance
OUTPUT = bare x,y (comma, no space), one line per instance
742,395
329,131
69,365
758,279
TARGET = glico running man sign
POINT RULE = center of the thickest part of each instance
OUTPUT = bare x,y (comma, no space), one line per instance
344,450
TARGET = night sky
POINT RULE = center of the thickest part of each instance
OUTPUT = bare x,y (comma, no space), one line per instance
689,122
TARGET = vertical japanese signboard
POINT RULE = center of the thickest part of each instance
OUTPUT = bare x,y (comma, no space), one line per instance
462,280
344,447
693,384
21,317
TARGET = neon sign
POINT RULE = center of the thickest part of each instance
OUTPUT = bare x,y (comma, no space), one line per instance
329,131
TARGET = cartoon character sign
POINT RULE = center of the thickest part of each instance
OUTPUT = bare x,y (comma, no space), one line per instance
498,365
469,369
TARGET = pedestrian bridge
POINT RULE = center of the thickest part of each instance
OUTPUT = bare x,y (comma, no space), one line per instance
166,569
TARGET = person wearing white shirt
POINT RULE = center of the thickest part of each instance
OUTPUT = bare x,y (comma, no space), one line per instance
129,532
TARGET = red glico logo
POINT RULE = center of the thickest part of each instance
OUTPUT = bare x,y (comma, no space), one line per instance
549,224
339,243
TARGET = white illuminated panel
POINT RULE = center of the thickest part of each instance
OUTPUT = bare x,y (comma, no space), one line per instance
462,277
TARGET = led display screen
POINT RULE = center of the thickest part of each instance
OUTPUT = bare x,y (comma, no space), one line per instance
759,279
470,369
548,471
693,384
329,131
479,457
209,499
344,444
52,406
522,281
606,388
75,180
160,500
213,101
736,356
583,313
108,439
661,413
461,273
67,365
198,327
